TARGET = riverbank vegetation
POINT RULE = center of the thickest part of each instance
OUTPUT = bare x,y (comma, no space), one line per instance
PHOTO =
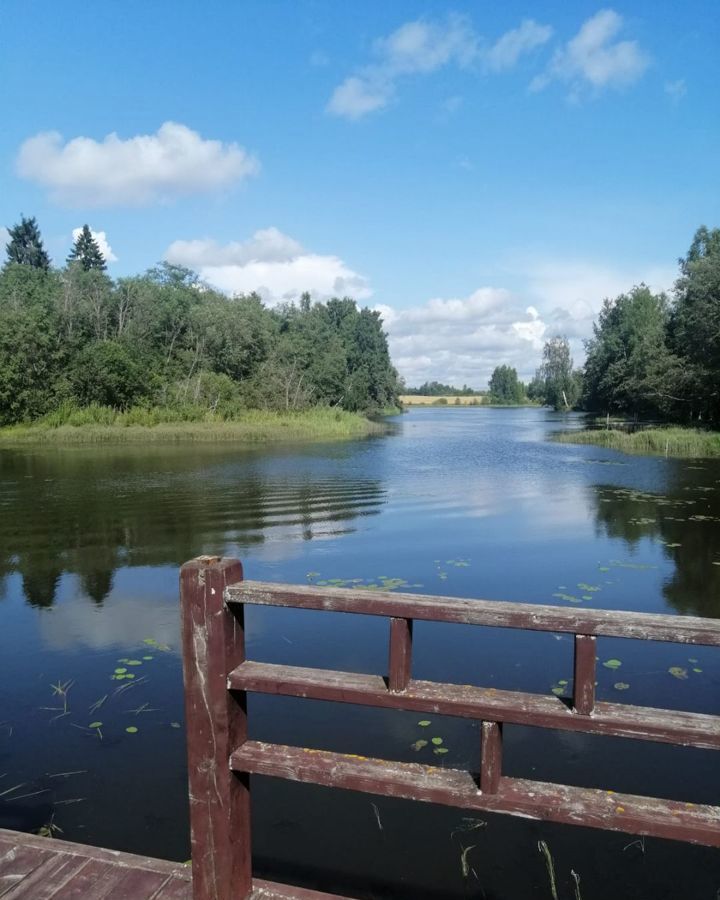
101,424
684,442
153,346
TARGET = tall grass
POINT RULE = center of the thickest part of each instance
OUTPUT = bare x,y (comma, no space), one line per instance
683,442
102,424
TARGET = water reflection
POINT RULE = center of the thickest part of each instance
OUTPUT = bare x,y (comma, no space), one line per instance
91,512
683,520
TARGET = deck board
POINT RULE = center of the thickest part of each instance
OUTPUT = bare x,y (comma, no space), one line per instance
35,868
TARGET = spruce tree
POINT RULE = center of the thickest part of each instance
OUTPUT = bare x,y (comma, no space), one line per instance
25,245
87,252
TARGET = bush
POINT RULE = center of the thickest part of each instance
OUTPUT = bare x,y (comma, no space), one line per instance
107,373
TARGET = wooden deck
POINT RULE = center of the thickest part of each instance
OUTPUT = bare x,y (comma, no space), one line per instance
37,868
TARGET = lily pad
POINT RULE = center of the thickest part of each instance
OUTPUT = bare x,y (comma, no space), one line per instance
678,672
120,671
612,663
558,691
423,723
437,741
438,751
95,725
418,745
621,685
696,669
131,729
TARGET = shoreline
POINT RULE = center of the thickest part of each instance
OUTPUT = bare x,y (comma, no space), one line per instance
682,443
256,427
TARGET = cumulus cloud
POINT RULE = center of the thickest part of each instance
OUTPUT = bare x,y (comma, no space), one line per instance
508,49
422,47
271,263
461,340
136,171
102,242
593,58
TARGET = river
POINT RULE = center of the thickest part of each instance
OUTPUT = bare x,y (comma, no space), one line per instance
469,502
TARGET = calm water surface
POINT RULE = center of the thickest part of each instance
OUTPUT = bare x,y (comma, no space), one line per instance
467,502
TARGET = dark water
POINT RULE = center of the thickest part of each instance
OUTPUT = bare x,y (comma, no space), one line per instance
467,502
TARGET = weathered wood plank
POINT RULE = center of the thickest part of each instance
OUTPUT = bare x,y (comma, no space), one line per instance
43,847
17,862
44,882
498,614
400,662
95,880
515,796
213,644
490,757
466,701
175,888
584,678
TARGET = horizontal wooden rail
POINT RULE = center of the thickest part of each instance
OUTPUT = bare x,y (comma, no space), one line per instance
514,796
218,678
488,704
493,613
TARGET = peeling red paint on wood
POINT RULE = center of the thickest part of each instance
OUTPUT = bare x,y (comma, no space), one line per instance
490,757
584,683
514,796
213,644
490,704
494,613
400,663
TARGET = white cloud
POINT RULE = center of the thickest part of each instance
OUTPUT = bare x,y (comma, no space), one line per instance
147,168
593,57
461,340
508,49
676,90
100,240
422,47
271,263
415,48
356,97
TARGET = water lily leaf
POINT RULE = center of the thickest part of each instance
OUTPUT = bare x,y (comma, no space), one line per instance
440,750
563,681
696,669
134,662
131,729
95,725
174,724
621,685
418,745
678,672
437,741
612,663
558,691
151,642
423,723
148,657
120,671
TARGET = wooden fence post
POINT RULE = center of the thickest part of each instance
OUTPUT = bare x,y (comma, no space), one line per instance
584,681
216,723
400,663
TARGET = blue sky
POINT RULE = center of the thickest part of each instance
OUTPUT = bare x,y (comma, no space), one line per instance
483,173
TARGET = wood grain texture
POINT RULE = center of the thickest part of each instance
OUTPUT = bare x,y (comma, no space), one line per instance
495,613
213,644
400,662
515,796
489,704
584,679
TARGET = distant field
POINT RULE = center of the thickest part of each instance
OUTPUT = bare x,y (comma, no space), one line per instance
426,400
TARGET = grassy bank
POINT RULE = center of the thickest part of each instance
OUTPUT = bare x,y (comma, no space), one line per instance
683,442
98,424
449,400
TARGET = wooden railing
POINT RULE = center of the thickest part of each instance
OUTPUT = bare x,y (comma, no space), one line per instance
222,758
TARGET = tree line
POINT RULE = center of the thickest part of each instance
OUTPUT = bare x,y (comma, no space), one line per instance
75,336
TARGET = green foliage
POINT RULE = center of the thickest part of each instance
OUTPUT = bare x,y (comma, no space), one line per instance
505,387
25,246
86,252
165,340
556,383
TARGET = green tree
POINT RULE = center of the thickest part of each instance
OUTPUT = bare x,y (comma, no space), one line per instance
108,373
561,385
86,252
505,387
25,246
629,367
695,326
